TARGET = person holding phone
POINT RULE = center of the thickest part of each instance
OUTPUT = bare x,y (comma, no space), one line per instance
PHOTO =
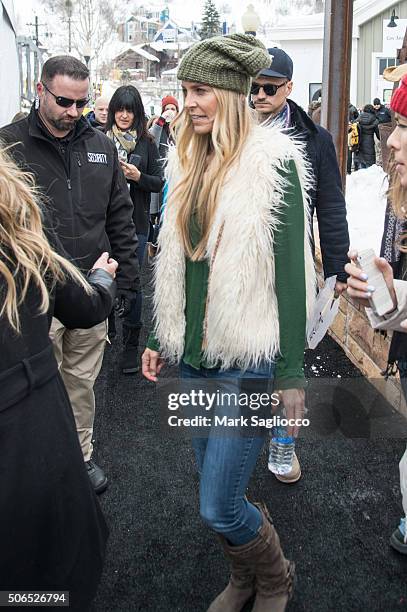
139,158
230,250
361,288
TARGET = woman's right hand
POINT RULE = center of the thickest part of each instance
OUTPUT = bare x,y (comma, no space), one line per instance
358,282
151,364
168,115
106,263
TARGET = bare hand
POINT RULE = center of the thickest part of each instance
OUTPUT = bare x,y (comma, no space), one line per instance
151,364
359,288
106,263
294,407
130,171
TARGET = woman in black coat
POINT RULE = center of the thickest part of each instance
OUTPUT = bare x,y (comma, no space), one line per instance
368,124
140,161
52,531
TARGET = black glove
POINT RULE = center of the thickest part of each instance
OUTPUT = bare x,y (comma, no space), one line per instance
123,301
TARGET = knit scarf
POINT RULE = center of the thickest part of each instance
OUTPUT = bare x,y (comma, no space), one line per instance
127,140
283,118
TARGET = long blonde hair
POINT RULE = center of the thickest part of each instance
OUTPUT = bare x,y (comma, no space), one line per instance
198,190
25,254
397,195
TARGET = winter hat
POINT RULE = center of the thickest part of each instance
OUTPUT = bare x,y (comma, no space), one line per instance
395,73
169,100
398,102
281,65
376,102
226,62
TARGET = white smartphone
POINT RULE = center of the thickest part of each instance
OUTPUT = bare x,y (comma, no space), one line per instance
380,301
122,155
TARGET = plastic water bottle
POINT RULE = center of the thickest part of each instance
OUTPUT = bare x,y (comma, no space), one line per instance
281,451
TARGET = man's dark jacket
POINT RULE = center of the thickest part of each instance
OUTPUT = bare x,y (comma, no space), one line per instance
383,114
326,198
91,119
84,189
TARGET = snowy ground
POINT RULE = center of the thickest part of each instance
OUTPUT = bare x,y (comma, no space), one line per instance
366,205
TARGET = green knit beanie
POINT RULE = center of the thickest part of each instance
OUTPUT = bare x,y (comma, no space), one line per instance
226,62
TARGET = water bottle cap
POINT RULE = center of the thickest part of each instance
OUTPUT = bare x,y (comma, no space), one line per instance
283,439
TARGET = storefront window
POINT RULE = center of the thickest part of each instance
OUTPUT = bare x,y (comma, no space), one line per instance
385,62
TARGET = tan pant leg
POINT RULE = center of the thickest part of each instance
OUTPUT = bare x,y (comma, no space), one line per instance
56,334
82,359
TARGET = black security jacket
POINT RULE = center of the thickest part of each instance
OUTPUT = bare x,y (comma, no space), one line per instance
84,190
326,197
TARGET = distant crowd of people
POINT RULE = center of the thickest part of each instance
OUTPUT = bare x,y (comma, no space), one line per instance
224,192
364,149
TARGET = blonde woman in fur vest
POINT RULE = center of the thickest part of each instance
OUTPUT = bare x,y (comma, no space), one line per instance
233,275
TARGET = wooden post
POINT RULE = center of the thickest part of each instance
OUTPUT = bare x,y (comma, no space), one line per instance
402,53
336,75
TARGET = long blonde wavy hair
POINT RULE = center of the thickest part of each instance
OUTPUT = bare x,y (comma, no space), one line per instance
205,160
25,254
397,196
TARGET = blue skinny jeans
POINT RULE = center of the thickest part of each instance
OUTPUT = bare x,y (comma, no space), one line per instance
225,463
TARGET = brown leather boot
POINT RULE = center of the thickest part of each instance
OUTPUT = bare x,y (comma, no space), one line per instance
241,583
274,573
261,561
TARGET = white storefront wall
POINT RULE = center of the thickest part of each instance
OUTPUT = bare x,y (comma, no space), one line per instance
302,39
392,41
307,68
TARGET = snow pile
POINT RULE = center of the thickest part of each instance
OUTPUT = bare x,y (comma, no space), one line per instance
366,206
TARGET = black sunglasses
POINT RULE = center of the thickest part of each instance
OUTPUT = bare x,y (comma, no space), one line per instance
67,102
269,88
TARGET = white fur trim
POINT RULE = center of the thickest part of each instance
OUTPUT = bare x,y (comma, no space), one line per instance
242,311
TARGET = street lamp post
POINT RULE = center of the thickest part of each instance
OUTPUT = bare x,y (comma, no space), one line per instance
250,21
69,7
87,52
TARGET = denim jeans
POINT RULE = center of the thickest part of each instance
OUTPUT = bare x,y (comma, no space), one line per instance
402,365
133,319
225,463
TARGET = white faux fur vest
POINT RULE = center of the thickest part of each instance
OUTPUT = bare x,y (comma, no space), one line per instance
242,314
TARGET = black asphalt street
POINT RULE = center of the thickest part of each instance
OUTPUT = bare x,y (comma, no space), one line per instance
335,523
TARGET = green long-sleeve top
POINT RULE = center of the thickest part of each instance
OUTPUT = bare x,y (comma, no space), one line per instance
290,289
